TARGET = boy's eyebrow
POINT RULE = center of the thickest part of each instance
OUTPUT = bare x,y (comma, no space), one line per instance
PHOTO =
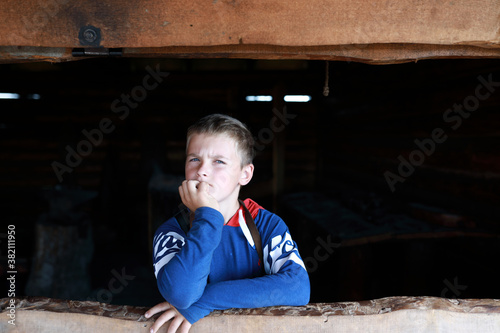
212,156
219,157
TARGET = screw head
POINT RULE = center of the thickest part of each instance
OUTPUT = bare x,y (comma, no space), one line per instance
90,35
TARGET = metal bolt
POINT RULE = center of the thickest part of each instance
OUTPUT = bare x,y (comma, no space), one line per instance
90,35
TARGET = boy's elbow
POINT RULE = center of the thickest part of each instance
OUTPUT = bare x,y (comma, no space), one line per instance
304,296
178,297
180,301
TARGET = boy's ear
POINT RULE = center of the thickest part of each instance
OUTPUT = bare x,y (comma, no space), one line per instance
246,174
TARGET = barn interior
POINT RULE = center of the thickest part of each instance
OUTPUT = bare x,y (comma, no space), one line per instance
389,182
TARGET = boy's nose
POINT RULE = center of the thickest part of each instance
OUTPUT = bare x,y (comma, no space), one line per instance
203,170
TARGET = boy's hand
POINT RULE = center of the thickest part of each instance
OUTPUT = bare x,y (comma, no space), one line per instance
178,324
194,194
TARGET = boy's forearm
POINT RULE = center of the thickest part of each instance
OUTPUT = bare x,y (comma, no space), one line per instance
286,281
287,288
183,278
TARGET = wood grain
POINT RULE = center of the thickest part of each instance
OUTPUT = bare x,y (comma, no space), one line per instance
397,314
344,29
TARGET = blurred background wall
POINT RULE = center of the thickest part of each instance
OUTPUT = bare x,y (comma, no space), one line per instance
390,184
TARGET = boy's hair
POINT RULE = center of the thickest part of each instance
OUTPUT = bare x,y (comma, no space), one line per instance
223,124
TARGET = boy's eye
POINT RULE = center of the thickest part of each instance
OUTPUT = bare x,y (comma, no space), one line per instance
194,159
220,162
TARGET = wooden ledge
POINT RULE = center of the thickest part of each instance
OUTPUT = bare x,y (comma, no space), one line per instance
377,54
391,314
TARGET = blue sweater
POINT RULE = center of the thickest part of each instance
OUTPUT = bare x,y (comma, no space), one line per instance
216,267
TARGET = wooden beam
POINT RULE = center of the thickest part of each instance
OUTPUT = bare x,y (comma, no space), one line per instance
155,23
378,54
360,30
392,314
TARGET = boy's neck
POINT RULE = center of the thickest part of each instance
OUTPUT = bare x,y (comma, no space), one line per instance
229,209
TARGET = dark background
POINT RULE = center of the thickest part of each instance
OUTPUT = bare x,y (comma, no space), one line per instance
439,228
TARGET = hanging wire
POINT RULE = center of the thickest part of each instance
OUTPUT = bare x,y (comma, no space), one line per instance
326,89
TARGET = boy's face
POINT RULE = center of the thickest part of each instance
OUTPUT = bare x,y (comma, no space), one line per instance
215,159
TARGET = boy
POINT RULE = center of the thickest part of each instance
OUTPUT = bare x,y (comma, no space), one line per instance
215,265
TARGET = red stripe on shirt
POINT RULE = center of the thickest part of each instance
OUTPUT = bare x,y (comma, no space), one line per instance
253,208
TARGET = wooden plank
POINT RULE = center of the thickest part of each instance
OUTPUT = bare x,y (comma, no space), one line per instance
155,23
392,314
378,31
370,53
366,53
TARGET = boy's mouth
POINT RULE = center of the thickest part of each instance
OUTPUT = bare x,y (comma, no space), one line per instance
210,185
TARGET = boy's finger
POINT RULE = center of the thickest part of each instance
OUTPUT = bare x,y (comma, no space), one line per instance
186,325
174,324
203,187
162,320
187,187
157,308
193,185
183,193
